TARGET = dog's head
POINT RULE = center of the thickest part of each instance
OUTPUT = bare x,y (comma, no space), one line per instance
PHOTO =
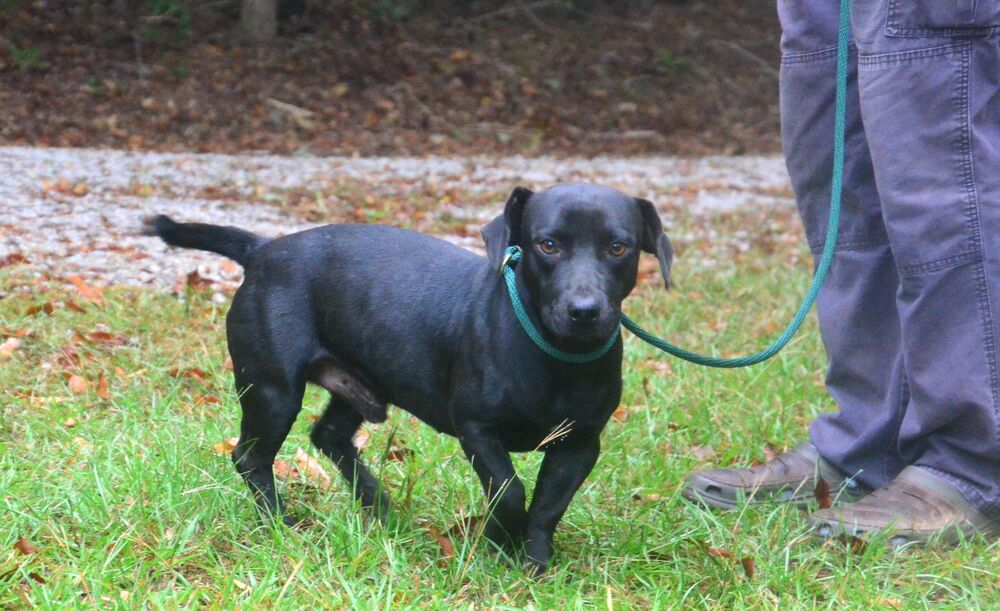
580,246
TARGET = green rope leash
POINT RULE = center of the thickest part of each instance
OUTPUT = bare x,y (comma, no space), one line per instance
513,253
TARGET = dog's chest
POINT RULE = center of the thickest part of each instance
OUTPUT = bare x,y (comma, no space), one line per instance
539,422
537,405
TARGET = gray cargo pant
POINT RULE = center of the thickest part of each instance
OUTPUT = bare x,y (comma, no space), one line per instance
910,314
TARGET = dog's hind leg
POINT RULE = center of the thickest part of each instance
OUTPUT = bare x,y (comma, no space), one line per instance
268,413
333,434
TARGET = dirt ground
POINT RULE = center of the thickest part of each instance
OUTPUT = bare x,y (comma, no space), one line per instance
396,77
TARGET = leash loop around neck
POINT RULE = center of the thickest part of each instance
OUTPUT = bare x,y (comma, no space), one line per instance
513,254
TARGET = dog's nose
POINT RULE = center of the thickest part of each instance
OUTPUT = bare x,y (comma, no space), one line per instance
584,309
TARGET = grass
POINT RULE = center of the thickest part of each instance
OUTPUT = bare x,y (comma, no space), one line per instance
127,504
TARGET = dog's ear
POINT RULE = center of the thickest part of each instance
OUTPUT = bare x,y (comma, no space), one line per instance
505,230
654,240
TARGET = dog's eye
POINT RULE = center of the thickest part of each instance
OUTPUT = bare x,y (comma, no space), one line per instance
548,247
617,248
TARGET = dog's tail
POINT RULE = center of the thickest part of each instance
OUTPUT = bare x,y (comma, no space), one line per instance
232,242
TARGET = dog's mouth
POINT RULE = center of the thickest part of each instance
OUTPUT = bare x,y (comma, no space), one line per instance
575,336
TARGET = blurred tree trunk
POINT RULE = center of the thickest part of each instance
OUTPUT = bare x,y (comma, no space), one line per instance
259,20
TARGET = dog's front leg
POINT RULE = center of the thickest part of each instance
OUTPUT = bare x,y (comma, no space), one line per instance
504,491
566,464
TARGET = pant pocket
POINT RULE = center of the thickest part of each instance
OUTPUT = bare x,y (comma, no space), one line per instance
915,108
917,18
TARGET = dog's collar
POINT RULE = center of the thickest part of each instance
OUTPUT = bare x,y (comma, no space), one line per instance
510,258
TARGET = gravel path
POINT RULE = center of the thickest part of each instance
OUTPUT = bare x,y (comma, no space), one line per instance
77,211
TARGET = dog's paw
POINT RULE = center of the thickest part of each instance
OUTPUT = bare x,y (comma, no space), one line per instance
535,569
378,505
537,556
509,542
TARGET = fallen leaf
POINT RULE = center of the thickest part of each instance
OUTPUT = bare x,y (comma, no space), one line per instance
361,438
444,543
651,497
719,552
60,186
311,467
46,307
86,291
75,306
67,358
70,423
822,493
749,566
465,527
13,259
8,347
103,337
226,446
207,400
285,471
228,364
194,373
703,453
102,388
77,384
621,414
80,189
25,547
196,280
398,454
770,453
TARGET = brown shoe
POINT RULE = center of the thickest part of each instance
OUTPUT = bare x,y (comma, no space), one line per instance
788,478
916,507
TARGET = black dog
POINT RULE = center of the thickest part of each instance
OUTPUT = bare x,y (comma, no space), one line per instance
380,315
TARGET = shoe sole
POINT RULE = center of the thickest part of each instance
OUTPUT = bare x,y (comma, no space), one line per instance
826,530
695,490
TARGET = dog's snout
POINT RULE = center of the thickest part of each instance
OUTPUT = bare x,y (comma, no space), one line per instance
584,309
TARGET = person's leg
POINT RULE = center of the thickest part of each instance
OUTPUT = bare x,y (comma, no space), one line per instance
929,78
856,305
